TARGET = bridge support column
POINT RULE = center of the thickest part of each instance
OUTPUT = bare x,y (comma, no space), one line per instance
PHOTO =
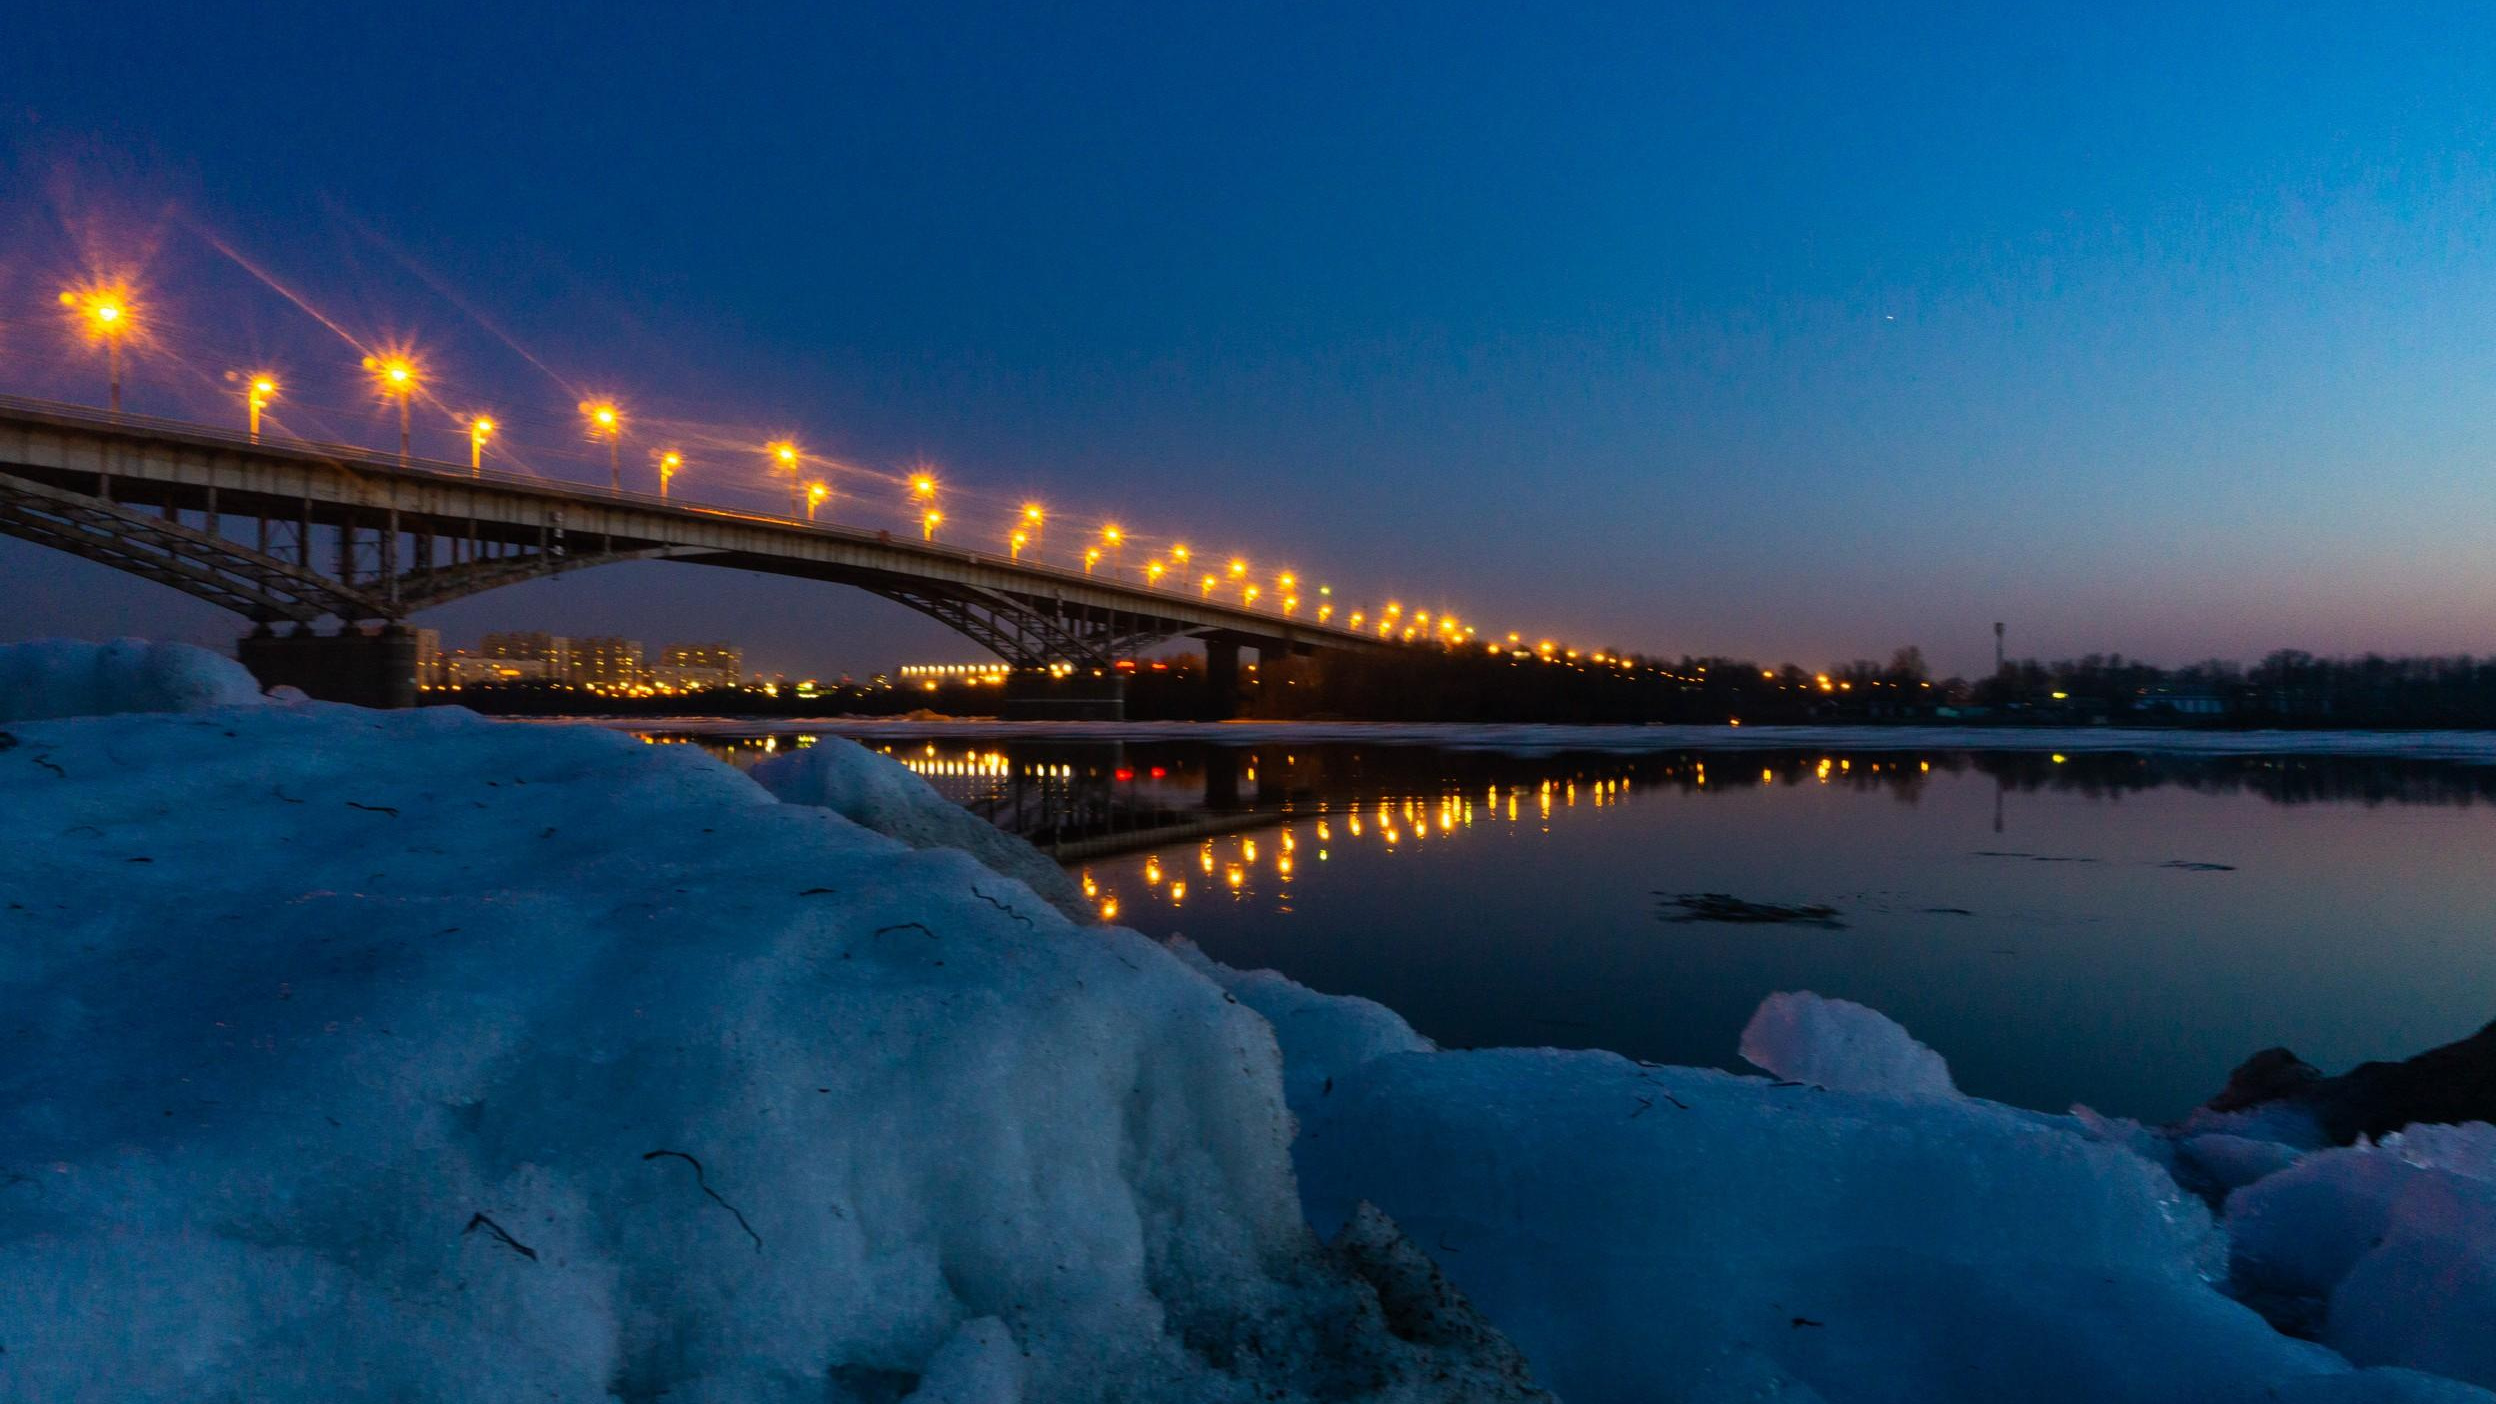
368,670
1078,696
1221,679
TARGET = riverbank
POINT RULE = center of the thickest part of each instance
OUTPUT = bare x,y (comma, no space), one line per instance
1523,739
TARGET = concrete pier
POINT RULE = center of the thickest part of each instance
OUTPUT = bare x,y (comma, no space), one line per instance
367,669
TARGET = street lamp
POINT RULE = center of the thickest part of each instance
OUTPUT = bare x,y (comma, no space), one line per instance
1014,543
670,464
816,494
1111,539
607,422
923,488
107,316
1247,596
928,522
1178,554
397,377
1153,572
258,390
783,459
1091,558
1210,582
480,429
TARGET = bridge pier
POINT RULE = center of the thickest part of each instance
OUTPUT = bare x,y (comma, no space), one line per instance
368,670
1078,696
1221,679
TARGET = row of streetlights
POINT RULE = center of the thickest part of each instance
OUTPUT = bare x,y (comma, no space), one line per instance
108,316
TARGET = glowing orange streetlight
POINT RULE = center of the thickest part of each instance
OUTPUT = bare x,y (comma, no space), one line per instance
1091,558
928,522
1210,582
1178,554
1153,571
817,493
106,314
397,376
1112,537
480,429
923,487
1239,568
670,464
1014,543
259,388
1247,596
607,422
783,459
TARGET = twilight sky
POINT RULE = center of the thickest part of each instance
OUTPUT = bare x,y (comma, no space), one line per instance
1794,332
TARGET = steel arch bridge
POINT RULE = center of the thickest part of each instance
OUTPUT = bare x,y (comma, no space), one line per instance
285,531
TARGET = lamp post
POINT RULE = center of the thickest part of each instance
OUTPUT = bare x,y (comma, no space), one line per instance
397,377
928,522
670,464
783,459
108,317
1112,537
480,429
1033,520
816,494
257,392
607,422
1014,543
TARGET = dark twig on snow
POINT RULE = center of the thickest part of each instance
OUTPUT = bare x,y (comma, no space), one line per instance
1004,907
49,764
280,792
704,1181
906,926
816,892
374,808
515,1245
1805,1321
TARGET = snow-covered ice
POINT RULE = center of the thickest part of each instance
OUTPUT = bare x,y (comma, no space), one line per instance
67,678
882,794
418,1056
1842,1046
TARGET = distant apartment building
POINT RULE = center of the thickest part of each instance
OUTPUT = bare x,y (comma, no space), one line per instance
553,651
695,666
468,670
428,657
606,662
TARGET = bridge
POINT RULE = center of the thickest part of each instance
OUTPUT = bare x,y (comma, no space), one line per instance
293,535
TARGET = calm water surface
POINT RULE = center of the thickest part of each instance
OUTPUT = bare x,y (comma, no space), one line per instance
2114,930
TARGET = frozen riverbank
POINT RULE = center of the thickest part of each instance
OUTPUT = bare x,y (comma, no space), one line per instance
422,1056
2469,746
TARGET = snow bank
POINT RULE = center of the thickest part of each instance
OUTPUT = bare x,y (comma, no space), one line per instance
413,1056
882,794
2387,1251
1843,1047
70,678
1652,1233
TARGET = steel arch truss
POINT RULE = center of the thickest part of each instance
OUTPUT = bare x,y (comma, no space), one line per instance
1030,632
439,585
257,586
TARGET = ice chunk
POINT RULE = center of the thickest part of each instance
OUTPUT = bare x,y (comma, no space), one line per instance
2228,1163
2386,1251
415,1056
71,678
1322,1036
880,793
1842,1046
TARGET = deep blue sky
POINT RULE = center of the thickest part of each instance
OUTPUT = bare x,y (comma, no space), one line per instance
1796,332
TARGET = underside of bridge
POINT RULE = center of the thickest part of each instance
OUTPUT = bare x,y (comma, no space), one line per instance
328,582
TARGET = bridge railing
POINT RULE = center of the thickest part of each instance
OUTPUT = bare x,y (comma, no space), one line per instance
381,461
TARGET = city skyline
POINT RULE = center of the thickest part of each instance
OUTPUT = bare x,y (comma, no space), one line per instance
1795,368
